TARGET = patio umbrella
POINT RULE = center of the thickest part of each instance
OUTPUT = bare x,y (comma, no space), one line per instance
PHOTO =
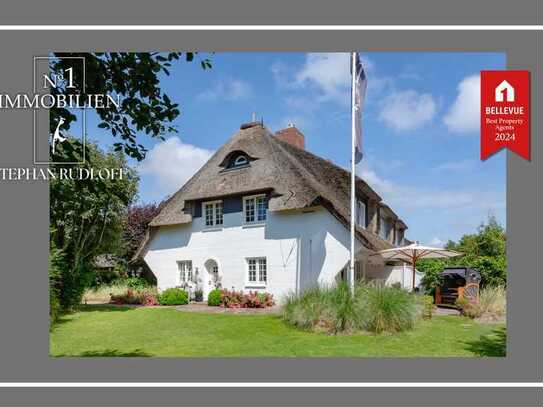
415,252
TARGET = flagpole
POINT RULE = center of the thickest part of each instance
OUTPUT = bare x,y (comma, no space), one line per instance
353,174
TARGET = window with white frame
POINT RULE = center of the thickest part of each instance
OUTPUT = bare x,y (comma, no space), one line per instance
254,209
257,271
213,213
185,271
361,214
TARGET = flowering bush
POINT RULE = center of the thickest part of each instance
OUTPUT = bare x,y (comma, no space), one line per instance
258,300
231,299
237,299
135,297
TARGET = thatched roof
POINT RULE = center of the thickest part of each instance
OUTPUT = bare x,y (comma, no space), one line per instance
104,261
295,179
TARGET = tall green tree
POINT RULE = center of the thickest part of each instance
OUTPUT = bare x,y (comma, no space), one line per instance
86,216
145,107
484,251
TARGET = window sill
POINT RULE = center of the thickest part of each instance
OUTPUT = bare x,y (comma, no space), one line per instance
255,285
212,229
253,225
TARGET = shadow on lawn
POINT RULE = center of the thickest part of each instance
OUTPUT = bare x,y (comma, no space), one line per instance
108,353
493,344
105,308
64,318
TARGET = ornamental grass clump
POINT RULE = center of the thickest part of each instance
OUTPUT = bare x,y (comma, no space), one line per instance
492,302
388,309
310,310
332,309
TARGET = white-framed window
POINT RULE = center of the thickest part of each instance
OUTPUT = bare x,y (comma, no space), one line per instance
213,213
254,209
185,271
361,214
257,271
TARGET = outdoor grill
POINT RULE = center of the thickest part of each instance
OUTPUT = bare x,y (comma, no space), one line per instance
458,282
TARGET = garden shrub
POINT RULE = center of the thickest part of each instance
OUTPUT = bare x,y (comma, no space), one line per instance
134,282
231,299
173,296
237,299
135,297
374,307
307,310
257,300
427,306
388,309
492,301
469,308
214,298
325,308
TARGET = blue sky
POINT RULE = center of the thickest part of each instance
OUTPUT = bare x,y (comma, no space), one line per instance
420,126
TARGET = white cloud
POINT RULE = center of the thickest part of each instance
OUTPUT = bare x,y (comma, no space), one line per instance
328,73
437,242
407,110
228,89
405,196
464,114
323,78
171,163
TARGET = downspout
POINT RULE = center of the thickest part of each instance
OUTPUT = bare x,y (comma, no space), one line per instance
298,263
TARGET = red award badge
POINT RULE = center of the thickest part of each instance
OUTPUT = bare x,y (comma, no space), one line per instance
505,112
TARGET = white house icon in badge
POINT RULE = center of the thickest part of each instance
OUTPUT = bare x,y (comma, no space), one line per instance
505,92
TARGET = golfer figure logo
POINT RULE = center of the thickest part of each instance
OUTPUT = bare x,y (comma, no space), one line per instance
57,137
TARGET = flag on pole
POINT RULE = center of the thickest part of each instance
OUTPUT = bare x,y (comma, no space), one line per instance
359,88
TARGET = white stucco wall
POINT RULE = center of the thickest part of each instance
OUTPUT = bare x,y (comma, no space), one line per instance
396,274
301,249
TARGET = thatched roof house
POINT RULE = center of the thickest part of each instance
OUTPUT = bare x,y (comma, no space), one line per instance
255,161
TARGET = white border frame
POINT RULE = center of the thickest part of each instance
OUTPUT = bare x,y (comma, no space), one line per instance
272,384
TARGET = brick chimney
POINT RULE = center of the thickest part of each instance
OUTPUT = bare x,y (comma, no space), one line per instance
292,136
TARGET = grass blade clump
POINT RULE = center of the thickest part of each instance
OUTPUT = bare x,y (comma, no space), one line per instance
389,309
333,309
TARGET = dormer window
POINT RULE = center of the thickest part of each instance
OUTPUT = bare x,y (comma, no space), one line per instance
240,161
237,159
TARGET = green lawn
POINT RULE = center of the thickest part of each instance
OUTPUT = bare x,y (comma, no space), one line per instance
107,331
